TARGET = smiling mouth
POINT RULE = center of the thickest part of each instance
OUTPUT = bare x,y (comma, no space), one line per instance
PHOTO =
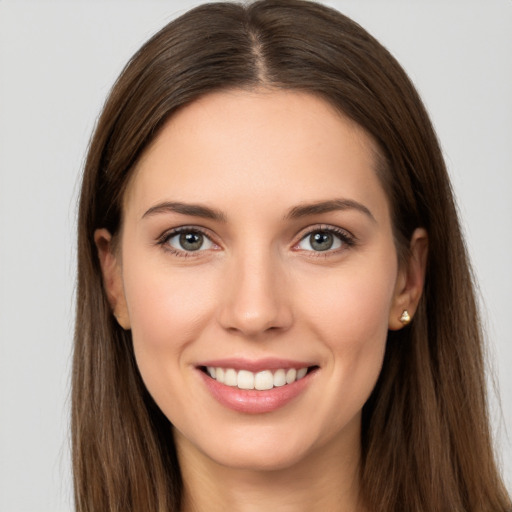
261,381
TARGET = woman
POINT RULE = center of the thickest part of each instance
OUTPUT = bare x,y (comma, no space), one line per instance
275,309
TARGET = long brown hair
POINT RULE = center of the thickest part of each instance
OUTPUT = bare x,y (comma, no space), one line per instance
425,439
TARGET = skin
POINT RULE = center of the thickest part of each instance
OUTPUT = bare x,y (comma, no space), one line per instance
259,290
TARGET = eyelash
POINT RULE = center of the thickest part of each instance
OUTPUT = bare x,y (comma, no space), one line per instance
346,238
165,237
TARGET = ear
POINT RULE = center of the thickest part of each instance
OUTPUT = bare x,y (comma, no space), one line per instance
112,276
410,280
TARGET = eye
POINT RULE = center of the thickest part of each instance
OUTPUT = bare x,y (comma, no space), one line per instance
322,240
189,241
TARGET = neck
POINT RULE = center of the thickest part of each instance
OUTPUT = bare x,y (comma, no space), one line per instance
327,479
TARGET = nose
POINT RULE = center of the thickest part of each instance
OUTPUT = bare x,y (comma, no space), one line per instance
255,299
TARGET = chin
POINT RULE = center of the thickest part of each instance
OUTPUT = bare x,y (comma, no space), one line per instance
267,448
258,459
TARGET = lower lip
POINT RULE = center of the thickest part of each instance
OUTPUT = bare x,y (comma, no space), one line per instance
252,401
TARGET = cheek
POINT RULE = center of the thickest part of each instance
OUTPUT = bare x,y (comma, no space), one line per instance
167,313
352,306
165,307
350,315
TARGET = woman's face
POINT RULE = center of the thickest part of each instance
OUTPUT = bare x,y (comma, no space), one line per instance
257,244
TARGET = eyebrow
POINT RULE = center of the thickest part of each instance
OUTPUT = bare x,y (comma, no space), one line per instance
328,206
195,210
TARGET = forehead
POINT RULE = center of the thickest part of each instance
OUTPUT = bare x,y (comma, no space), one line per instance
263,146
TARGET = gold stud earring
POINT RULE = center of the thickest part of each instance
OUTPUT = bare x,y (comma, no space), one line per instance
405,318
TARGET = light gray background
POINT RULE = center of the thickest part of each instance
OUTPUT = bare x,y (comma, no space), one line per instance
57,63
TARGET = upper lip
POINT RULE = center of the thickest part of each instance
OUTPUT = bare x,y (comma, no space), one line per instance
256,365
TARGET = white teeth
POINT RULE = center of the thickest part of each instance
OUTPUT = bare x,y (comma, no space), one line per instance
279,378
266,379
230,378
291,374
301,373
245,379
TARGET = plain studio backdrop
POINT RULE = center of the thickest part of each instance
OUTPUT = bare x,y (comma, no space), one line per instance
58,60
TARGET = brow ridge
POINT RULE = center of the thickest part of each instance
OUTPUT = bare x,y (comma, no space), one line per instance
302,210
330,205
194,210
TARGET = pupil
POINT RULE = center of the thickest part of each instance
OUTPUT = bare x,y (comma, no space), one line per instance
191,241
321,241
